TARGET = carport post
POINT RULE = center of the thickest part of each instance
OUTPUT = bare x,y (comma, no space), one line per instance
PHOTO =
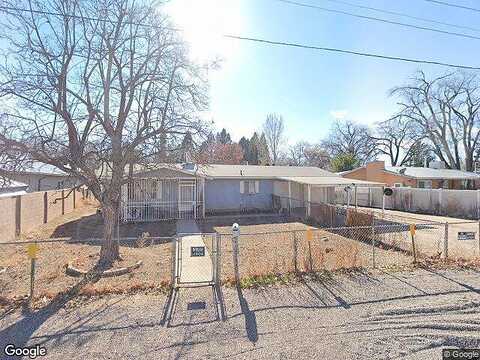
356,204
289,196
383,201
309,198
445,242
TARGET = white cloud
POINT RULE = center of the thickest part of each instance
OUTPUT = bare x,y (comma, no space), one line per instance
338,114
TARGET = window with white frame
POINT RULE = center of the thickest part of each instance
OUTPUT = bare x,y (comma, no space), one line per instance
397,185
249,187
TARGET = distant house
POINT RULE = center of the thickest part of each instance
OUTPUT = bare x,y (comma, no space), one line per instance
434,177
42,177
10,187
178,191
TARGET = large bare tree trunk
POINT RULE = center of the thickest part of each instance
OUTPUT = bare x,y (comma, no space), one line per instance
109,252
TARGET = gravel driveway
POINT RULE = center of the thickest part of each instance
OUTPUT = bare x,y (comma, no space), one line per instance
357,316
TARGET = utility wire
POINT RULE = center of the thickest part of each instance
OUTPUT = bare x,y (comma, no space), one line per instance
350,52
445,3
372,18
272,42
408,16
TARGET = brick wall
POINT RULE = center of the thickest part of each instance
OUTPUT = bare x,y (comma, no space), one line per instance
20,214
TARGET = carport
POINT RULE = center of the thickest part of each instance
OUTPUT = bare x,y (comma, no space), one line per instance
322,189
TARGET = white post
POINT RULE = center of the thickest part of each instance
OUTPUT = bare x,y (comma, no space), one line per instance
440,193
478,204
383,201
369,196
356,202
289,196
203,198
309,199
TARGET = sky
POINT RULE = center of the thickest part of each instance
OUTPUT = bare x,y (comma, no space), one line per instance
311,89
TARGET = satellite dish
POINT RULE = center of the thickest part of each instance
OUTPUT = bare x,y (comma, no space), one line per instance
388,191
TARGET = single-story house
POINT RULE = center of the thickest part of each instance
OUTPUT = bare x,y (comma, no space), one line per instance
10,187
434,177
173,191
43,177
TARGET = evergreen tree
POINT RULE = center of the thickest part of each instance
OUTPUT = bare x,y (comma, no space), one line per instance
245,144
253,156
223,137
263,153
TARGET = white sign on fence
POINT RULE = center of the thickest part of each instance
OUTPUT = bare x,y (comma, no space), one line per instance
466,235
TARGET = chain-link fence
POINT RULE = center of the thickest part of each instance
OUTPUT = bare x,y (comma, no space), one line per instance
60,265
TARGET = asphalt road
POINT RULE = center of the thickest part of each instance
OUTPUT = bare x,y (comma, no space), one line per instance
359,316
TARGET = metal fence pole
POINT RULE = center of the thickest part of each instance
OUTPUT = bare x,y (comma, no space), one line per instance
373,244
445,242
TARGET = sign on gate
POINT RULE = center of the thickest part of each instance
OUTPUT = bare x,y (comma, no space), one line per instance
466,235
197,251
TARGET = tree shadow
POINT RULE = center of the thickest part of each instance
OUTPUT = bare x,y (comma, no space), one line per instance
250,318
21,331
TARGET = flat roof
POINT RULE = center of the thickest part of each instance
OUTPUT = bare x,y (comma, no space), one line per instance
430,173
330,181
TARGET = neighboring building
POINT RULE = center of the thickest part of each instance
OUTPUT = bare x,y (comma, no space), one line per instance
10,187
189,191
42,177
434,177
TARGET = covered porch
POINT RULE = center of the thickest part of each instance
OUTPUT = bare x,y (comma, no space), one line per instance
163,198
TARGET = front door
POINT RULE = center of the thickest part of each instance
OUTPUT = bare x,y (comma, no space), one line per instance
186,200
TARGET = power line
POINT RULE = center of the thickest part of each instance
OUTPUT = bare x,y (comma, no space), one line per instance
445,3
351,52
272,42
396,13
372,18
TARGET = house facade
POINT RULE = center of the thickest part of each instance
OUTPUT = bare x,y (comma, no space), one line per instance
415,177
43,177
179,191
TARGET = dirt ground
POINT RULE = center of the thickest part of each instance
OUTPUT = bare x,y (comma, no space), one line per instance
276,248
358,316
81,226
431,237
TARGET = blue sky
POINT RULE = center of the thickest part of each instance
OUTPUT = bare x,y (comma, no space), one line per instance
309,88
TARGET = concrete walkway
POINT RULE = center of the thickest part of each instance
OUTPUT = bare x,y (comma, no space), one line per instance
193,269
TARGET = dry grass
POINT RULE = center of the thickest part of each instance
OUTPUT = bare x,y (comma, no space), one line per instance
282,248
83,224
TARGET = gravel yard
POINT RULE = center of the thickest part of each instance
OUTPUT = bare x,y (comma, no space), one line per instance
345,316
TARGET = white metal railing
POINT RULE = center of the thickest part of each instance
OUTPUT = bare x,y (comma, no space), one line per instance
153,199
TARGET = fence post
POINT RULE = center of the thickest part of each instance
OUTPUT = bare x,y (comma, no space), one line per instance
295,251
45,207
373,243
74,198
478,203
63,202
479,237
445,242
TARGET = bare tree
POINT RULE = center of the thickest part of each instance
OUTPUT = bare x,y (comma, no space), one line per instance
304,154
446,109
396,138
348,137
94,86
273,129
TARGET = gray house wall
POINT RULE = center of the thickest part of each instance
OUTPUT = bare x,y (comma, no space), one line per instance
224,195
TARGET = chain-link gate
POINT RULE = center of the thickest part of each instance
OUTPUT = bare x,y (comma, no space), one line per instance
196,259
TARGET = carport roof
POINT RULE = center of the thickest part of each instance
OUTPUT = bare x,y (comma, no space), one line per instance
330,181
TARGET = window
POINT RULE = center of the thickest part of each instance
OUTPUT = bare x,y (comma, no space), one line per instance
249,187
398,185
425,184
